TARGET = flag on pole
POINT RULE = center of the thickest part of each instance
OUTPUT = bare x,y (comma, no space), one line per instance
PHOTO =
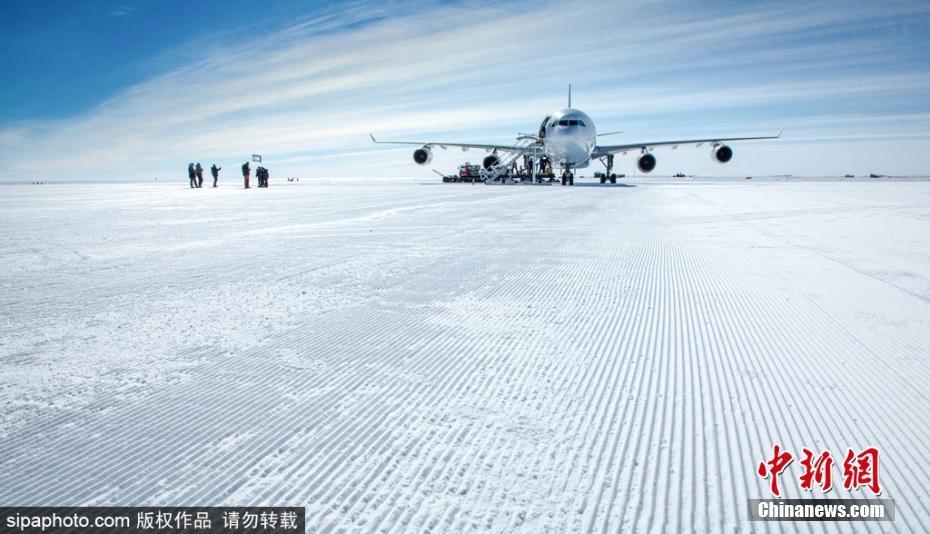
256,158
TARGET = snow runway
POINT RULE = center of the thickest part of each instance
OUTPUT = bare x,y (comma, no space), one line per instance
409,357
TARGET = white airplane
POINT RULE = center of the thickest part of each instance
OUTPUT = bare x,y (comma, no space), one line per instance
567,139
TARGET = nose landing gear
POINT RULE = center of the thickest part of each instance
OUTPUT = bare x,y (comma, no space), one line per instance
568,178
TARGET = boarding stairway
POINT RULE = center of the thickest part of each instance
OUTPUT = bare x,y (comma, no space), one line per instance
500,173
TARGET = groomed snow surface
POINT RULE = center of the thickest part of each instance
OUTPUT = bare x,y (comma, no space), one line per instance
412,357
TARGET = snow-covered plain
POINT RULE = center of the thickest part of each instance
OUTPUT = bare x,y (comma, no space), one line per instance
413,357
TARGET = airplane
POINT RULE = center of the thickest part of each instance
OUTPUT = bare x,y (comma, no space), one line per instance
568,138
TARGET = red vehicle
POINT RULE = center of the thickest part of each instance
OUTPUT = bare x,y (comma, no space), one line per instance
469,172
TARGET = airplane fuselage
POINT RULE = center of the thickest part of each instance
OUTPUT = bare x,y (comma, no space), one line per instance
568,137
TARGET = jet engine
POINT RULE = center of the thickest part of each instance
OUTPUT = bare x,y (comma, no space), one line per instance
721,154
422,156
491,161
646,162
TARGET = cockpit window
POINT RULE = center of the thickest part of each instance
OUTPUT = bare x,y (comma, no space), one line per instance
581,123
554,124
563,122
573,123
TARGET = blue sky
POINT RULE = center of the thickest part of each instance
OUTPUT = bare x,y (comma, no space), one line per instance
136,89
77,54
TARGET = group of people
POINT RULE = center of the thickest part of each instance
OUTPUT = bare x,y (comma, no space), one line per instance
261,174
195,174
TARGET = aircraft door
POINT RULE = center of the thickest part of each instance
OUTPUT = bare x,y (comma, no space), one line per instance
542,127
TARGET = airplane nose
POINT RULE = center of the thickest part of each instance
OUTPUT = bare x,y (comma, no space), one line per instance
575,150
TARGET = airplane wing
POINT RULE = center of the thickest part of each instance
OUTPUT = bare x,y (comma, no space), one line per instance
604,150
464,146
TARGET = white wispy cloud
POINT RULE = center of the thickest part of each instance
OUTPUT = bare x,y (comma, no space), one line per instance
307,96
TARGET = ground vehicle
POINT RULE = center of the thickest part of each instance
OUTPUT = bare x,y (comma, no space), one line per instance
466,173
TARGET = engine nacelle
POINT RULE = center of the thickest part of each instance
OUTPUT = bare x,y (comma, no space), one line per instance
422,156
491,161
646,162
721,154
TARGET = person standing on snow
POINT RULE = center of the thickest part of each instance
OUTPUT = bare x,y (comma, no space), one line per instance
199,171
245,173
215,171
191,175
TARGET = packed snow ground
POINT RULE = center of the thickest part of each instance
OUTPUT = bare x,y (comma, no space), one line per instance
410,357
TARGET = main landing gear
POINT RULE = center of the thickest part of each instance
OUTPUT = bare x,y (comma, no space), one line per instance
608,162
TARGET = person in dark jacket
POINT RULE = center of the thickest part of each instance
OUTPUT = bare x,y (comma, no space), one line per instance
245,173
215,171
191,175
199,170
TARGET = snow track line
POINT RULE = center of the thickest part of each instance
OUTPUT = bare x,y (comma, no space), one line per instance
232,416
624,372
